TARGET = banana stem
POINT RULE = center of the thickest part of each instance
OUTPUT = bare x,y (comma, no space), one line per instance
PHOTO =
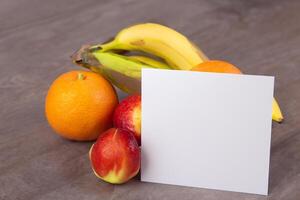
105,47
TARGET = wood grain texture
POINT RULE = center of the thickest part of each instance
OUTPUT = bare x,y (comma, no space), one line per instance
37,38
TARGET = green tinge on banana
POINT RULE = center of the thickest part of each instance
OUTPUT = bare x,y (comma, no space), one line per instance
129,82
115,79
121,64
124,72
151,62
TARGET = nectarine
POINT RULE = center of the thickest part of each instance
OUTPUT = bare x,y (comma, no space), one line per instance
127,116
115,157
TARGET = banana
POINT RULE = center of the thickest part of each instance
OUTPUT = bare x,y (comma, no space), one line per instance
122,71
150,61
276,112
159,40
121,64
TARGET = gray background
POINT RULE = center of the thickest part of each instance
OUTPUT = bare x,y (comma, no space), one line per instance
37,38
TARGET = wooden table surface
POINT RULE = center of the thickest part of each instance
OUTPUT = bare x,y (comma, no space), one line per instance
37,38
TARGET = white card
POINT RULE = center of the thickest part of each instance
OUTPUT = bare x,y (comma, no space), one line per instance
207,130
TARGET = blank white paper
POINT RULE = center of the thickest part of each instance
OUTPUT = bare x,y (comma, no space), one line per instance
207,130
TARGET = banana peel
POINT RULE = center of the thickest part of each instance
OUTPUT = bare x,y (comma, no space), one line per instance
123,72
159,40
149,61
276,112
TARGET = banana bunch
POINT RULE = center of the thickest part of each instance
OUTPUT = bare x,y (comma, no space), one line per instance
123,71
171,49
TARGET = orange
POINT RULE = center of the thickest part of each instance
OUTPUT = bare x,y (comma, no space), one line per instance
217,66
80,105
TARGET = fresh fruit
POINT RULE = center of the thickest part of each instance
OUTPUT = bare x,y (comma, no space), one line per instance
173,47
217,66
80,105
225,67
123,71
159,40
115,157
276,112
128,116
151,62
121,64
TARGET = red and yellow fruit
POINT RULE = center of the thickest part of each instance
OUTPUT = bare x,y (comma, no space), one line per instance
128,116
115,157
